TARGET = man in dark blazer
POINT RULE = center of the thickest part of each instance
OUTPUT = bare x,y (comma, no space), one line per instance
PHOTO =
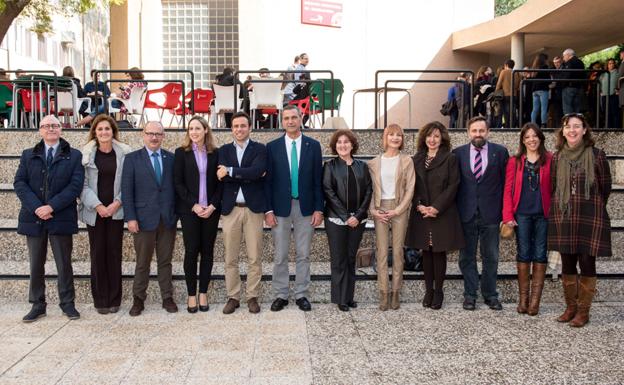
293,187
482,166
242,166
148,196
49,178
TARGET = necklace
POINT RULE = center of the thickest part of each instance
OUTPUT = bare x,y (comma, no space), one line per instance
533,171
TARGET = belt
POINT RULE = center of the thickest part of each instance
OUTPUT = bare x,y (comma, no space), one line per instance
240,204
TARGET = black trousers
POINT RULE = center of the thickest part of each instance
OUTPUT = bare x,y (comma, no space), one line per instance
105,240
37,251
434,269
199,236
343,245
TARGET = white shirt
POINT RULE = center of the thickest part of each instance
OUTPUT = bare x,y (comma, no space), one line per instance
288,141
388,176
240,151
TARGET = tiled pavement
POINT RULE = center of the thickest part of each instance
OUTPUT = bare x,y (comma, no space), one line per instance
325,346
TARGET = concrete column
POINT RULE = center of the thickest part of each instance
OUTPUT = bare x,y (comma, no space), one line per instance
517,49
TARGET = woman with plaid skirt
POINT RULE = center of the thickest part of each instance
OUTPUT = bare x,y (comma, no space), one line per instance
579,225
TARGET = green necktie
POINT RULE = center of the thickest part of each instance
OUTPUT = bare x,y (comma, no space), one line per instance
157,169
294,171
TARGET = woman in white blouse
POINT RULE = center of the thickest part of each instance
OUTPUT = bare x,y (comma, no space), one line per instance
393,179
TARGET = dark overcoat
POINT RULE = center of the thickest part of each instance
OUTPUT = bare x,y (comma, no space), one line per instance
437,187
59,185
586,229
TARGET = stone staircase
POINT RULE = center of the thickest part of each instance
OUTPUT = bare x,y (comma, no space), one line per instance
14,266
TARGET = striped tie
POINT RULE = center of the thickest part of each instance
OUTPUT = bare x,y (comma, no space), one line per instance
478,166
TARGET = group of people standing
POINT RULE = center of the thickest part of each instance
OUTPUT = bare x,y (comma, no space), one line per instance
439,200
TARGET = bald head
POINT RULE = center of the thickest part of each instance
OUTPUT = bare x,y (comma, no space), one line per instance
153,135
50,129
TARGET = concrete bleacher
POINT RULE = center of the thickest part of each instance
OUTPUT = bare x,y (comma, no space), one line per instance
14,266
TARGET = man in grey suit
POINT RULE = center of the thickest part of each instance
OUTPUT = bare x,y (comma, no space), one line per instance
148,196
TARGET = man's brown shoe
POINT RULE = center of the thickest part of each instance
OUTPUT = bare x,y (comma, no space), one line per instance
169,305
137,307
231,305
253,306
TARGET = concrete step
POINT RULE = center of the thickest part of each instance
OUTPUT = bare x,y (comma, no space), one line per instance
13,141
13,246
15,289
9,164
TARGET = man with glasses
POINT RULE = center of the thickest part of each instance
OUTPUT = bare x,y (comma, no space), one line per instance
49,178
148,197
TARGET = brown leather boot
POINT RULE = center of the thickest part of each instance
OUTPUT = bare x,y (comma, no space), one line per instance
523,286
537,285
395,304
570,292
383,300
587,289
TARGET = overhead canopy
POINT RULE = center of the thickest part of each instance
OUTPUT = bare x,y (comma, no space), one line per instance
549,26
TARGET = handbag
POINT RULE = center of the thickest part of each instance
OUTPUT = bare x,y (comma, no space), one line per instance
413,259
365,257
506,231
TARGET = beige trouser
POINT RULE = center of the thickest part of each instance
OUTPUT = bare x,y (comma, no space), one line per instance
242,221
399,227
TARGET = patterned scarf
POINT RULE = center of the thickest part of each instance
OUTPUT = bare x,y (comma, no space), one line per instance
579,159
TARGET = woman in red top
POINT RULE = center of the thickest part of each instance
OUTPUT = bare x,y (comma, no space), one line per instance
526,204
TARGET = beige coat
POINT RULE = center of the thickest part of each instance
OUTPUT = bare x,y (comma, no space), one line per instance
405,183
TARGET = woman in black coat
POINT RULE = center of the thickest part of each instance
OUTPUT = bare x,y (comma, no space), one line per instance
198,195
348,190
434,225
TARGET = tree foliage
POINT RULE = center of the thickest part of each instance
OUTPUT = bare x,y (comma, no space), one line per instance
41,12
603,55
503,7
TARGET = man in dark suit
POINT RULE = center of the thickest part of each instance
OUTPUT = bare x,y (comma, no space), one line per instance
293,186
242,165
49,178
148,197
482,166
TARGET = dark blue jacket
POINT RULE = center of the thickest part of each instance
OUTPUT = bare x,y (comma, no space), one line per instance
59,187
487,195
249,176
143,199
277,180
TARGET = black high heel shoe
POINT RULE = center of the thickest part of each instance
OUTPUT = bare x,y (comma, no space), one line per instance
191,309
204,308
428,299
438,298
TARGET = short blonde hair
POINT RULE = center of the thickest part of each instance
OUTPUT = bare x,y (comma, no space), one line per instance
391,129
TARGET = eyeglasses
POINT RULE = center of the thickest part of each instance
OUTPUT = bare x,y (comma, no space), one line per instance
53,126
154,134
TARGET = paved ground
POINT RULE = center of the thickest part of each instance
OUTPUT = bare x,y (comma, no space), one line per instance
325,346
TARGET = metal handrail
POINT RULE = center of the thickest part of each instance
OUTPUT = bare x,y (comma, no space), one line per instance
330,72
156,81
440,71
549,70
162,71
421,81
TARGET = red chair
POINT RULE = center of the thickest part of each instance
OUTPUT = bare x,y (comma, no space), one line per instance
164,99
202,100
31,102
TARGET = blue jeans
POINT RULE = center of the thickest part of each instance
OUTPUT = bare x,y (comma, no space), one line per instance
571,100
487,235
540,105
531,234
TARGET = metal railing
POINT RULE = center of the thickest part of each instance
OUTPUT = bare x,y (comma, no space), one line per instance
440,71
563,80
31,81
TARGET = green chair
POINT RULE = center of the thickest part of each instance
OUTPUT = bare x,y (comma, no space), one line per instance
321,97
6,102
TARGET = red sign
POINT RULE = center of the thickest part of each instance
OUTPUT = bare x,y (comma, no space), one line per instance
320,12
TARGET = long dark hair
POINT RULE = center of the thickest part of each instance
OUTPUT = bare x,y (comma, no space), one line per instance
541,150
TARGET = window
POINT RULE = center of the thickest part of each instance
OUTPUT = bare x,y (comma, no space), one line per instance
197,39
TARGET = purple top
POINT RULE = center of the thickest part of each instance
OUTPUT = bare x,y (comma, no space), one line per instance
202,164
484,157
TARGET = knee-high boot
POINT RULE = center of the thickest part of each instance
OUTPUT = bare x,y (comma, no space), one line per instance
587,289
570,293
523,286
537,285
